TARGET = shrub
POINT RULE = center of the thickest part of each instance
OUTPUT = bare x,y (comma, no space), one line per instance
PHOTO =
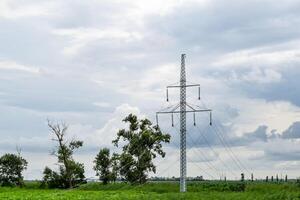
11,168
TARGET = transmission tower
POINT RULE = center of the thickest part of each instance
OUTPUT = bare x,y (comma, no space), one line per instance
184,108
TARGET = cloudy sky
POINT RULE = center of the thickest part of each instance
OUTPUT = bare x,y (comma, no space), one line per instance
90,63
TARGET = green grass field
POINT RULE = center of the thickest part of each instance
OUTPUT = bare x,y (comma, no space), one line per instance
161,191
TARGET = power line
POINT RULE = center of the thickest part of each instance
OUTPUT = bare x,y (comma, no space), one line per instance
199,166
175,127
208,163
208,144
171,165
206,160
226,145
177,145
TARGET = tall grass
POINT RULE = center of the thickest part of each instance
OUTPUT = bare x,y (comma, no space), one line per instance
159,190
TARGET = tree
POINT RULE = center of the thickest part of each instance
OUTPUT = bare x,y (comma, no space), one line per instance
143,144
52,179
11,168
114,167
71,172
102,165
106,167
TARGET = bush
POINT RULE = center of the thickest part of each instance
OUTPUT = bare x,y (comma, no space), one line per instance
11,168
53,179
219,186
298,182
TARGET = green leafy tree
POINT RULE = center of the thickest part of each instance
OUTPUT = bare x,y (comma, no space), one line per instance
71,173
102,165
52,179
11,168
106,167
114,167
143,142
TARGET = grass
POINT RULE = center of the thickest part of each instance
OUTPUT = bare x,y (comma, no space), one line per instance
158,190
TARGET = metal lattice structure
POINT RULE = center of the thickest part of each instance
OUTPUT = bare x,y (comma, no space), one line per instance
182,125
184,108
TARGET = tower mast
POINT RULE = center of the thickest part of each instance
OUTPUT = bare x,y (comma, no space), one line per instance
182,125
183,105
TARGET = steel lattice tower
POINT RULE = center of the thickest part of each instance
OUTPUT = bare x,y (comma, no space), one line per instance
183,105
182,125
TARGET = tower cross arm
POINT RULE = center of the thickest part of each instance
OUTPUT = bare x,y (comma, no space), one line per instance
187,111
179,86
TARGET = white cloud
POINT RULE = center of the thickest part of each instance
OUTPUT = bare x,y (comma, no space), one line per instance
97,138
288,149
257,75
108,132
102,104
145,7
288,165
277,115
146,85
28,144
152,82
81,37
270,57
14,10
12,65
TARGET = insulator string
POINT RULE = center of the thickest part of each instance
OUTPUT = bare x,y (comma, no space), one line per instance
194,116
172,120
167,94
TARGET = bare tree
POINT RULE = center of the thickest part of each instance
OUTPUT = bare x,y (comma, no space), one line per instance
71,172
